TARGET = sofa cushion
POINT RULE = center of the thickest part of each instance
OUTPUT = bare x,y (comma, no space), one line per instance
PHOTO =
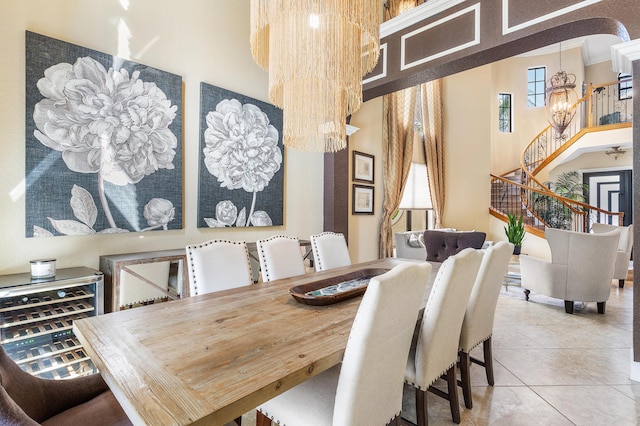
415,240
440,245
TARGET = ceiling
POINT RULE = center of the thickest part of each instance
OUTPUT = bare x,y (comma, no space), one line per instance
595,48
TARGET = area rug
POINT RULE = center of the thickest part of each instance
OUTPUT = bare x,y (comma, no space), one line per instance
517,292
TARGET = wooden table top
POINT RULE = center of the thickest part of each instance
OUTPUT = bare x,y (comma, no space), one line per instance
210,358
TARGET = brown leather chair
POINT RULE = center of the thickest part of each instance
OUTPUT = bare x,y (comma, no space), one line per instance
26,400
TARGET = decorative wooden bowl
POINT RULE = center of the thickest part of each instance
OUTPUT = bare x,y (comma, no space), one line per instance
327,291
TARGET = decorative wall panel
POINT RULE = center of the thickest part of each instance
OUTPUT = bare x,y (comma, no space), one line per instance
103,142
241,177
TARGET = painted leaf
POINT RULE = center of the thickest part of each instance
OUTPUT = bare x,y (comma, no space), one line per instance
84,208
261,218
39,231
213,223
242,217
71,227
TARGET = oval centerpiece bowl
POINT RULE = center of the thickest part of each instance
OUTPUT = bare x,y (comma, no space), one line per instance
326,291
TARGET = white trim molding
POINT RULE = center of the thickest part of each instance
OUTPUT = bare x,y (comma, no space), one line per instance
383,58
417,14
476,37
506,29
623,54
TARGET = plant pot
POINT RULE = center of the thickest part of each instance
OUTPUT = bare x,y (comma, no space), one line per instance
516,250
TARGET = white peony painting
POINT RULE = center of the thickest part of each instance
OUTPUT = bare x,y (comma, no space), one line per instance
241,180
103,143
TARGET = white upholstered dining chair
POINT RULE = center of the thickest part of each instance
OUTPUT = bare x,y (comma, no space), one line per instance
218,265
477,326
366,388
329,251
434,351
625,246
280,257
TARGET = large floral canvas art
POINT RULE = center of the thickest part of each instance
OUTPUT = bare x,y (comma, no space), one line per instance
241,179
103,142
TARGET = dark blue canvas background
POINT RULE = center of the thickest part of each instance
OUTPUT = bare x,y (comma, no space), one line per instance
271,199
49,181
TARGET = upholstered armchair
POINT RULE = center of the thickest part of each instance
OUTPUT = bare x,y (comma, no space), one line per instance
625,245
581,268
410,245
26,400
442,244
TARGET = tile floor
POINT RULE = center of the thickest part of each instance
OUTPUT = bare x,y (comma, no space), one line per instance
552,368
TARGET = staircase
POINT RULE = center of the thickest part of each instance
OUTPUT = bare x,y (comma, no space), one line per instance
519,192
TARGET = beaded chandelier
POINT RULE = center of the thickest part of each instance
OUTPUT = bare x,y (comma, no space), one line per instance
316,53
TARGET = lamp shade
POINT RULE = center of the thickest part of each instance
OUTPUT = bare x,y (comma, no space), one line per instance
416,195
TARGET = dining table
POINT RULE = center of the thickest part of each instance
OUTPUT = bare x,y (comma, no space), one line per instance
210,358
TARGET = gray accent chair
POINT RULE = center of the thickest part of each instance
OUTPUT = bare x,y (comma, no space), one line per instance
625,246
581,268
412,244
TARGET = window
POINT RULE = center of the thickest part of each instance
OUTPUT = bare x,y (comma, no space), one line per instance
536,82
505,113
625,88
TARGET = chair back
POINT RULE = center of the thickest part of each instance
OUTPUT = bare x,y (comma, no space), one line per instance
625,246
280,257
218,265
442,244
477,325
626,234
18,390
437,343
329,251
372,374
589,261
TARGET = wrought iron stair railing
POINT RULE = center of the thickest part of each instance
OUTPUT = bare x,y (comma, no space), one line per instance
540,208
602,108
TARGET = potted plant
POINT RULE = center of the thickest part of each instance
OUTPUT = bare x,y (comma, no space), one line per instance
514,231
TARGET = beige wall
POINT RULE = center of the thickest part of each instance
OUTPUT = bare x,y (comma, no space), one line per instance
364,230
510,76
468,150
593,161
600,73
213,47
467,158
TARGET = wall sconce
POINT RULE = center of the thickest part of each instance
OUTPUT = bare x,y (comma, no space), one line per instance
615,152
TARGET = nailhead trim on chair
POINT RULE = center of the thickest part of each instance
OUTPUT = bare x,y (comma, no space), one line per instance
314,240
265,273
189,247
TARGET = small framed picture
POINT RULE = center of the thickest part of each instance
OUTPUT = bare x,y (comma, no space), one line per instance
362,167
362,199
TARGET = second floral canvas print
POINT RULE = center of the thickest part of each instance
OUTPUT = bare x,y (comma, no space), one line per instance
241,178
